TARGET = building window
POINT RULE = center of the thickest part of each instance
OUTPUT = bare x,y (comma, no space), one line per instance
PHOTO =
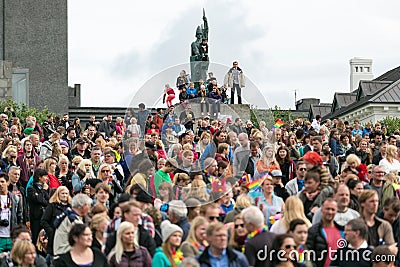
356,69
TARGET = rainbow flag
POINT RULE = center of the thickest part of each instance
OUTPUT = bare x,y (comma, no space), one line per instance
278,123
253,185
246,178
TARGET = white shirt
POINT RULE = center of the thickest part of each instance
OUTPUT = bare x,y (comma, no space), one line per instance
5,215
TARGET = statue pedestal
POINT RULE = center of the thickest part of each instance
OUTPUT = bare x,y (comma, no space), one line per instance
198,70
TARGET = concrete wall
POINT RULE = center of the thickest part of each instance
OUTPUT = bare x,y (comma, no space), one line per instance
36,39
5,79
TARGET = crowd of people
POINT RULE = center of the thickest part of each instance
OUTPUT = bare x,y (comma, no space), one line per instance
171,189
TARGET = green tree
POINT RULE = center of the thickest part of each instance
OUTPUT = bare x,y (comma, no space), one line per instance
22,111
392,124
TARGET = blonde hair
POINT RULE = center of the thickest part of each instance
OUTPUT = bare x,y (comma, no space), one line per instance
198,190
39,244
196,223
56,199
82,164
8,150
294,209
47,162
119,247
19,249
77,159
390,151
243,201
96,220
62,157
353,158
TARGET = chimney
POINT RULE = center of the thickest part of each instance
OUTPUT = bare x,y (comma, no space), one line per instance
360,69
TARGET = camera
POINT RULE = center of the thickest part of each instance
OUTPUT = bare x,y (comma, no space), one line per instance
164,207
4,222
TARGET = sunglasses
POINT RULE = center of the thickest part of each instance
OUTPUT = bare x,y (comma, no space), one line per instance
288,246
103,171
302,169
213,218
239,225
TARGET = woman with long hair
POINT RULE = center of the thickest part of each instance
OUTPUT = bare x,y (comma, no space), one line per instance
196,242
169,253
126,251
105,176
98,225
50,165
81,254
205,139
63,173
390,163
9,157
38,198
356,187
334,142
298,228
287,166
294,152
268,202
27,161
198,190
267,162
42,242
364,152
83,173
285,245
58,203
23,254
294,209
166,192
238,234
76,124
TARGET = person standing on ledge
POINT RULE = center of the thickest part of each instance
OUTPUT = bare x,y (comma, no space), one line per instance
235,79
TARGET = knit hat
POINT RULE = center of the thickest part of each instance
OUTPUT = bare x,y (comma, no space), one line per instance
167,229
63,143
28,131
313,158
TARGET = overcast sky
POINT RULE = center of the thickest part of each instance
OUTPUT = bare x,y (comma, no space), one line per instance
117,47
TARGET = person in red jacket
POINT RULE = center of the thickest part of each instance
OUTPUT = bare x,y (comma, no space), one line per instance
169,95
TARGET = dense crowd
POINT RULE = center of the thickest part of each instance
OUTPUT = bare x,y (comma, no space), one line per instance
170,189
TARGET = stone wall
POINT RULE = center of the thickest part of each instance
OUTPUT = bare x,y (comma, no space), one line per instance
5,80
36,39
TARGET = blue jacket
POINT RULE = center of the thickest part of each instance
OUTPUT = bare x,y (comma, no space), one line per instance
190,91
235,258
335,147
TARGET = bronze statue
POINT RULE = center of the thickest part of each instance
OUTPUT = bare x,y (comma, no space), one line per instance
199,52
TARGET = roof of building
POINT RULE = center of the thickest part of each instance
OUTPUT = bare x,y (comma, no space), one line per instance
322,109
391,75
341,100
375,91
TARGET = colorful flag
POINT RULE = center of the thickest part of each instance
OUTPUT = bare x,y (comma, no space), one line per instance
278,123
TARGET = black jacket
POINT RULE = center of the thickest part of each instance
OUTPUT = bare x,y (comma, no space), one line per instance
49,216
235,258
317,242
38,200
